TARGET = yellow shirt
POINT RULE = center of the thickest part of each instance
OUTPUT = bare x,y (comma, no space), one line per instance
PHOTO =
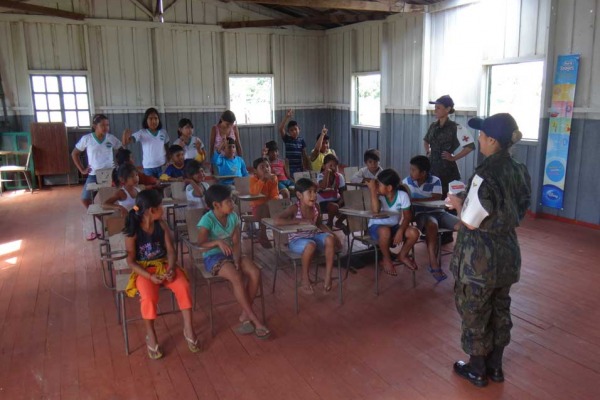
318,163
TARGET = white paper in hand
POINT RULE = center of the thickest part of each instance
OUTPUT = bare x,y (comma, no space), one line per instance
473,212
455,187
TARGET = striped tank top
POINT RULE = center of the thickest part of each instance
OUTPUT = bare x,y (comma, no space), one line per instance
305,234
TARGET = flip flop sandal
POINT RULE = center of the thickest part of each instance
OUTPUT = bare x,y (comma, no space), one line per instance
437,274
262,333
245,328
91,236
192,344
154,353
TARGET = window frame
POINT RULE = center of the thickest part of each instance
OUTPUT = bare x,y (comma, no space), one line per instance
354,109
59,74
272,113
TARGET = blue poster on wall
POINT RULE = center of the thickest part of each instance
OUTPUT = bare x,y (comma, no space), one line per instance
559,131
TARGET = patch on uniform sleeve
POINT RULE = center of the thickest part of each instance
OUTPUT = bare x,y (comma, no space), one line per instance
463,136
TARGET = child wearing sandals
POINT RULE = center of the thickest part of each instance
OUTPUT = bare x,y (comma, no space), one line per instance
387,194
220,233
308,242
124,199
151,256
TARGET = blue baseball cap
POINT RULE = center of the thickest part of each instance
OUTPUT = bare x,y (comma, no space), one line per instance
445,100
499,126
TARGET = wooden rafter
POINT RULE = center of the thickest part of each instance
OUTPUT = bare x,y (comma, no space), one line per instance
357,5
142,8
328,19
53,12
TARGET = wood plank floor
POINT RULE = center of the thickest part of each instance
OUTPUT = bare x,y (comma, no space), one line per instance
59,337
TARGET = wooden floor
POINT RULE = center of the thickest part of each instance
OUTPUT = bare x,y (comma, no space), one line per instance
59,337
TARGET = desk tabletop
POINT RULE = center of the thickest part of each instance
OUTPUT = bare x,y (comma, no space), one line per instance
170,202
97,209
248,197
13,152
225,176
98,186
270,223
431,204
368,214
356,184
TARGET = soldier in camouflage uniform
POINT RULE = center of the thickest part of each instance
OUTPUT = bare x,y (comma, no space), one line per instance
487,259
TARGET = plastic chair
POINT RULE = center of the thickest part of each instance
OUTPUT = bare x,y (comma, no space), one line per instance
17,169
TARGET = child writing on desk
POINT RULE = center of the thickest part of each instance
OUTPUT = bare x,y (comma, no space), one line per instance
151,256
388,195
305,211
220,233
124,199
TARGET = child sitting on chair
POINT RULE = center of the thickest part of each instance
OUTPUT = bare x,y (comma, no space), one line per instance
280,168
124,156
331,184
265,183
308,242
228,164
424,186
124,199
195,186
176,169
388,195
220,232
371,168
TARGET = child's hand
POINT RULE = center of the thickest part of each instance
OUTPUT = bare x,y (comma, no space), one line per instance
265,151
372,185
126,136
198,145
324,131
225,248
86,170
123,211
398,237
290,113
170,275
156,279
453,201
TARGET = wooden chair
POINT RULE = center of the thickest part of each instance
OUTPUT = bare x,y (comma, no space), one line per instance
104,176
195,253
348,174
242,187
110,248
176,214
17,169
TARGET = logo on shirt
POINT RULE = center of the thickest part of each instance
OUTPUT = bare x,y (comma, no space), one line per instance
162,137
109,145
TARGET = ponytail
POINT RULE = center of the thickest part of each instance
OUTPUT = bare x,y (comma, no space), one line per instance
145,200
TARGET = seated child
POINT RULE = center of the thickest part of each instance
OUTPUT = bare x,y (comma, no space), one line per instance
371,168
229,163
330,186
175,170
124,199
124,156
280,168
307,243
192,145
220,232
388,195
424,186
263,182
195,186
152,257
321,149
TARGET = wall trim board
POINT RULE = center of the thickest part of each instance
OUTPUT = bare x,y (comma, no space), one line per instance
543,215
449,4
513,60
353,27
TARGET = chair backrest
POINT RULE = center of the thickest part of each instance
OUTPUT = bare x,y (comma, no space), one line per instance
178,190
242,184
117,243
114,224
355,199
301,174
104,176
104,193
192,216
277,206
349,173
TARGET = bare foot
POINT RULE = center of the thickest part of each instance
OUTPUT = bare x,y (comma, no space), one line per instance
410,263
388,268
307,288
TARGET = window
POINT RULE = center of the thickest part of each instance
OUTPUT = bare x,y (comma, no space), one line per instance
61,98
366,99
251,99
517,89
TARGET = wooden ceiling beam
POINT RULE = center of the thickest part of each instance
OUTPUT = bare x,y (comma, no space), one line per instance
356,5
53,12
330,19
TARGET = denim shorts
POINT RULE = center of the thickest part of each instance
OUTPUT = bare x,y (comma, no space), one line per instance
155,172
285,184
87,194
214,262
298,245
374,228
444,220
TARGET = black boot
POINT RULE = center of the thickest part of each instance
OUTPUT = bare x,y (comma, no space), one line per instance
493,364
473,371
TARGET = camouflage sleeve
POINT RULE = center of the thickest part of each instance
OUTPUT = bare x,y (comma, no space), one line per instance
524,200
429,133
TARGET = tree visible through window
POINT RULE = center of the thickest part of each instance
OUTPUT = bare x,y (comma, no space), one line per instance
251,99
366,99
61,98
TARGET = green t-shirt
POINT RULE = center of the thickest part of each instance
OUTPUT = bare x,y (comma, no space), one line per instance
216,230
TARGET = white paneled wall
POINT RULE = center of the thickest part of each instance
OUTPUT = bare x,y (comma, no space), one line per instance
367,44
248,53
338,50
13,61
55,46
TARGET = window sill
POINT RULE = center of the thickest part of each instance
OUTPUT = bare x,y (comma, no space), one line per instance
366,127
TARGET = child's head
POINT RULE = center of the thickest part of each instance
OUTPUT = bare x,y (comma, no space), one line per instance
419,167
227,119
100,124
306,190
194,171
388,181
262,167
293,129
230,149
151,120
123,156
128,175
218,198
330,162
371,159
272,150
185,128
148,204
177,155
324,145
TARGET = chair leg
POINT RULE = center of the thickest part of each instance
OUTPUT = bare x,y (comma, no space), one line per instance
296,287
210,309
339,265
376,271
28,181
262,299
348,255
275,271
124,321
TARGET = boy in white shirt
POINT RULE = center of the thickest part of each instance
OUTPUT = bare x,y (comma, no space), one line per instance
371,168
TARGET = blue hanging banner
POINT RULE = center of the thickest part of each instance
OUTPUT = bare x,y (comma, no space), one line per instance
559,131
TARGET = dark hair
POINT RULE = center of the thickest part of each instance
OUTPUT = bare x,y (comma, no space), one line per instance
291,124
227,116
149,112
230,141
144,200
174,149
390,177
325,139
183,122
216,194
122,157
371,154
421,162
330,157
272,145
97,118
125,171
191,168
259,161
304,184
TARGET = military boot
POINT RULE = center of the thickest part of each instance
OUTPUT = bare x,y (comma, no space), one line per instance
473,371
493,364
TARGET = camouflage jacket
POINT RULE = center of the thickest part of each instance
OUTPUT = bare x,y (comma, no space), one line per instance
490,255
442,139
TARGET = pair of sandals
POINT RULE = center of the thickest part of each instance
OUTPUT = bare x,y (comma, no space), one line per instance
248,328
154,353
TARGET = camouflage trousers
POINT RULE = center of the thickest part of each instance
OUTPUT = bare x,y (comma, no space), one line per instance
485,314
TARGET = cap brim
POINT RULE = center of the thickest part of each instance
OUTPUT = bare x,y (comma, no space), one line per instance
476,123
433,102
